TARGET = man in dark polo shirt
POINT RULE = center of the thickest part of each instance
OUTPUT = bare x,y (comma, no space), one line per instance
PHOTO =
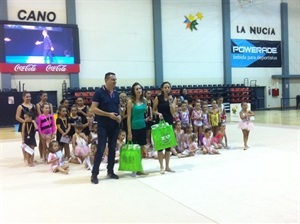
105,106
48,47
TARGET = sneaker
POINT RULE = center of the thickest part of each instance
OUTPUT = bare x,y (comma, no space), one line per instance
94,179
112,175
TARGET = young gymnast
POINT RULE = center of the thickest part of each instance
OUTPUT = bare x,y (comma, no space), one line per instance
80,146
120,143
221,109
29,128
82,113
204,127
208,147
197,119
55,159
149,116
214,117
93,152
184,116
179,133
93,136
220,136
176,115
46,128
90,117
193,145
63,131
205,116
73,118
189,130
26,106
246,124
192,149
39,111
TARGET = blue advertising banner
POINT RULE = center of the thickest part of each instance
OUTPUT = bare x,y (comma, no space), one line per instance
255,53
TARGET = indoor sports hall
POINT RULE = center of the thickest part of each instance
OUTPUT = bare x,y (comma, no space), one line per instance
237,50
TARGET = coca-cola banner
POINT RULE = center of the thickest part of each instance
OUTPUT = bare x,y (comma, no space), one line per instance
39,68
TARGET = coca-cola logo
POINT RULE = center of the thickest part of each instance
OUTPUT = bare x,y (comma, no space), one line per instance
25,68
56,68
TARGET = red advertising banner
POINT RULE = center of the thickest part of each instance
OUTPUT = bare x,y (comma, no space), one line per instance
39,68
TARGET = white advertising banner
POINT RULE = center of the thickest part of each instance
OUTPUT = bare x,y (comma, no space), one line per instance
235,109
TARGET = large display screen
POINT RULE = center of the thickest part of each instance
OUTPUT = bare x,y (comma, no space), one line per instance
33,44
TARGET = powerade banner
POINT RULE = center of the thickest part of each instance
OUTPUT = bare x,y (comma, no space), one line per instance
255,53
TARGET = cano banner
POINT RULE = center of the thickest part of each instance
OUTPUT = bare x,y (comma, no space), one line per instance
255,53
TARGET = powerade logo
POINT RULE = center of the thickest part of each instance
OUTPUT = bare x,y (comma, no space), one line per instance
255,53
266,50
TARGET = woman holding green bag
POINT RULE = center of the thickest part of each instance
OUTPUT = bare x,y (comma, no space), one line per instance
136,122
164,106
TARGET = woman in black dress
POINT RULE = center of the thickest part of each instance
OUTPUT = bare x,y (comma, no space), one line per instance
164,107
44,98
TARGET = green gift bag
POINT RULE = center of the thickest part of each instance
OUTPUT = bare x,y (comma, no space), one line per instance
163,135
130,157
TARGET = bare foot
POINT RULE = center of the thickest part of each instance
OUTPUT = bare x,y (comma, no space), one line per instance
73,160
170,170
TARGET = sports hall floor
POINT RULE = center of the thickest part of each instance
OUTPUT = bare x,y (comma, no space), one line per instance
259,185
